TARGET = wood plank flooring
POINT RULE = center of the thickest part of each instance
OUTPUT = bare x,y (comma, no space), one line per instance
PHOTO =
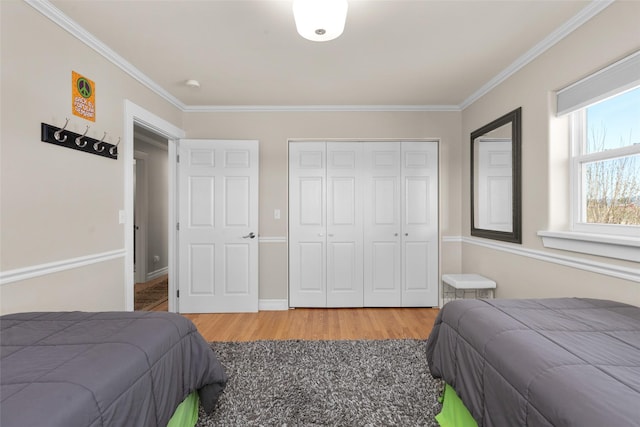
317,324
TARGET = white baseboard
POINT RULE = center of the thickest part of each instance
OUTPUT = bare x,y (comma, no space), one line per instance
273,305
157,273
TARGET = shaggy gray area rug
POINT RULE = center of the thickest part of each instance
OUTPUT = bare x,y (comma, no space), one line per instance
338,383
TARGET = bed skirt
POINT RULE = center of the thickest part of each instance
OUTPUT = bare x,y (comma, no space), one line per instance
454,413
186,414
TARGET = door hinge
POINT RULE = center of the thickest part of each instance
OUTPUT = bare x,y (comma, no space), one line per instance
178,226
177,293
177,158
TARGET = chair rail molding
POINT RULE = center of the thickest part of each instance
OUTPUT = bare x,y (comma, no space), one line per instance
608,269
272,239
16,275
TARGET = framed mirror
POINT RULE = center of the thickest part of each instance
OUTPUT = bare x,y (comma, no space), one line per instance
496,202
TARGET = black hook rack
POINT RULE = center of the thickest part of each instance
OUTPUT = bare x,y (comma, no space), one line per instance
65,138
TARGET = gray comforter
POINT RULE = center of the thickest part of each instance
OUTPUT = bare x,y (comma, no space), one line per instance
102,369
548,362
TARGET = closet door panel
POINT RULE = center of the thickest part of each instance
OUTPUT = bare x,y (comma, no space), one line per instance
307,225
382,250
344,224
311,274
419,224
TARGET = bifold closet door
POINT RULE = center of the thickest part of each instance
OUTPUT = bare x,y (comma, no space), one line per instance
344,224
325,224
307,224
419,171
382,239
363,224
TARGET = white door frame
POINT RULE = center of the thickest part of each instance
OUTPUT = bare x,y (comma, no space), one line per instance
134,114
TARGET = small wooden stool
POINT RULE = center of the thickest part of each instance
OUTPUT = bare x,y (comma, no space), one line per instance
456,286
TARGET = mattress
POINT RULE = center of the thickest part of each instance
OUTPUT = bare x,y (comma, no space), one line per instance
102,369
546,362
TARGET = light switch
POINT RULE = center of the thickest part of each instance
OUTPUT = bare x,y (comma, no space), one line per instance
121,217
276,214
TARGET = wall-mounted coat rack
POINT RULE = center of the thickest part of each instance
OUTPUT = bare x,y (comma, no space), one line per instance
65,138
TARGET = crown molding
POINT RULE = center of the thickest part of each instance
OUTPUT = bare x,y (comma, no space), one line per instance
588,12
69,25
315,108
72,27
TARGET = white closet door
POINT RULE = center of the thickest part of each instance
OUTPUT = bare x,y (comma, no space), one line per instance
363,224
382,248
307,224
419,224
344,224
218,216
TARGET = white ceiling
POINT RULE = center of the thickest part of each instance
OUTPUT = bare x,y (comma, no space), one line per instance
392,52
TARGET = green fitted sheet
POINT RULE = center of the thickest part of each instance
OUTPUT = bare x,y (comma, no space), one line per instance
186,414
454,413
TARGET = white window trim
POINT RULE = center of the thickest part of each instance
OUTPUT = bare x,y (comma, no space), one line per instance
618,247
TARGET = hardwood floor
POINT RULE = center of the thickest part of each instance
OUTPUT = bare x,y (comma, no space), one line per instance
317,324
158,302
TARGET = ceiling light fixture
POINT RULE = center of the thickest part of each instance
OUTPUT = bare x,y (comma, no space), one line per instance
320,20
192,83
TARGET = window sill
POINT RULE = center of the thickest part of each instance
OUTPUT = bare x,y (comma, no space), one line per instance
619,247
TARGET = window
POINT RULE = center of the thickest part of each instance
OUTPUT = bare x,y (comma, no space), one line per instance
604,111
606,165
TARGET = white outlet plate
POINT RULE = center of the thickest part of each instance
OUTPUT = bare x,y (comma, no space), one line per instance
276,214
121,217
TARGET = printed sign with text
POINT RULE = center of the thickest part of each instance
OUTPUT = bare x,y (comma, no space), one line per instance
83,97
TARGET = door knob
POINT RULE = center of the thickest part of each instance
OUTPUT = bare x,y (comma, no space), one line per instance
406,234
395,234
249,236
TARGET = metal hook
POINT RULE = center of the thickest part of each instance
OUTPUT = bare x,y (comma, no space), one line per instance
79,139
112,149
57,133
95,146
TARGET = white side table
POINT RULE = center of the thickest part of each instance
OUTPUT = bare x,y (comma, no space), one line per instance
458,286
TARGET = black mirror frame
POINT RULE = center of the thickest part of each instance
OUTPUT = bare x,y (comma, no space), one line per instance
515,236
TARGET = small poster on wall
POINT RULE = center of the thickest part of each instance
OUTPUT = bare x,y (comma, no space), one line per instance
83,97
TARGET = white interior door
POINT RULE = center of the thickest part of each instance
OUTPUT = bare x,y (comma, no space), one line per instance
218,226
307,224
344,224
419,224
382,248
